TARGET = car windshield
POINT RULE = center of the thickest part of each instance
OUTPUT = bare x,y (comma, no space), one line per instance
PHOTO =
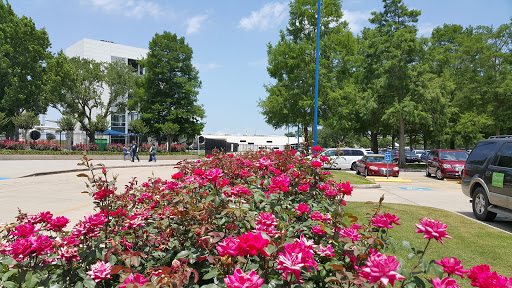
375,159
453,155
410,154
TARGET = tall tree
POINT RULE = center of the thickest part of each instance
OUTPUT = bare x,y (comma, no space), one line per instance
67,124
77,85
170,88
26,121
290,100
23,52
395,44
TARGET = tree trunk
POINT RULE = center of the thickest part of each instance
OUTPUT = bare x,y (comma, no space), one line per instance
374,142
169,139
16,133
452,144
69,140
393,141
424,143
91,136
306,140
401,152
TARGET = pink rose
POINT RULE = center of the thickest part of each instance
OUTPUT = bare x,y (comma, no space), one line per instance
100,271
239,279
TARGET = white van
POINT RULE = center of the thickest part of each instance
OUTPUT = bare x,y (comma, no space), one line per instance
343,158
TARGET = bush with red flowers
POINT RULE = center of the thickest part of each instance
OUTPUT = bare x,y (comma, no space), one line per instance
43,145
85,146
114,147
257,219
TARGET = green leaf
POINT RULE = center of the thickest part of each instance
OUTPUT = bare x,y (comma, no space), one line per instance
79,285
9,284
424,265
8,261
210,275
9,274
210,286
406,244
89,283
31,280
411,255
182,254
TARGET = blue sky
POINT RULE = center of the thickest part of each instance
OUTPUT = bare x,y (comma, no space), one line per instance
229,39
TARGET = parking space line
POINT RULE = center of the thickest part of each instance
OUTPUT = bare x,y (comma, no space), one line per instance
72,208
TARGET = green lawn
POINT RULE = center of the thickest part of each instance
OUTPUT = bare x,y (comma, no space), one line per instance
473,243
341,176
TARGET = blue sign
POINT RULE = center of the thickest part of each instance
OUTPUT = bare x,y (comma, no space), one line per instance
387,157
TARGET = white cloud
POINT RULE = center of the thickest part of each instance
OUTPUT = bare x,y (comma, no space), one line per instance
131,8
356,19
270,16
194,23
425,29
206,67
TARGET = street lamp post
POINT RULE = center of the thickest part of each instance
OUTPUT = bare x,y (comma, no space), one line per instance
316,70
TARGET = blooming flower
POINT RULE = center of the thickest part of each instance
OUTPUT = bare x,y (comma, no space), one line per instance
303,188
481,276
324,158
350,233
134,279
228,246
24,230
447,282
317,149
452,266
316,164
345,188
380,267
385,220
252,244
69,254
318,230
290,263
266,222
100,271
177,176
302,208
241,280
58,223
432,229
325,251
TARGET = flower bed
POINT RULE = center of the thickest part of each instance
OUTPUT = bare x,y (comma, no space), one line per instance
258,219
43,145
13,145
114,147
85,146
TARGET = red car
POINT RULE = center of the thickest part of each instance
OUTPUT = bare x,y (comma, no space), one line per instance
446,163
374,165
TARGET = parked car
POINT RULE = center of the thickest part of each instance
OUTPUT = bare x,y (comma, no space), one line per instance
487,178
411,157
423,157
343,158
374,164
418,152
445,163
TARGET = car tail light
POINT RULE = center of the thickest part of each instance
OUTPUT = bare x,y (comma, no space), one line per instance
464,172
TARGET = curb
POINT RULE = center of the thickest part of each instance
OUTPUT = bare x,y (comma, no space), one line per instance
366,186
86,169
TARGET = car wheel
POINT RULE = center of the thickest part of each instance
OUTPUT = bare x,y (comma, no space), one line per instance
480,205
353,166
365,172
439,175
357,172
427,173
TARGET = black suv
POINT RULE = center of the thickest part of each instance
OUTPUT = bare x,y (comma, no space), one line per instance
487,177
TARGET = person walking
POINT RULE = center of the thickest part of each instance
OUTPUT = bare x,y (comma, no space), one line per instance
125,151
152,152
134,150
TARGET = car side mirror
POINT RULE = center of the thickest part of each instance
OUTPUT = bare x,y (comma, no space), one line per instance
435,158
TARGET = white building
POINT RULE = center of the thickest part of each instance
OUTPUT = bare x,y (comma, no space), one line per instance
257,142
107,51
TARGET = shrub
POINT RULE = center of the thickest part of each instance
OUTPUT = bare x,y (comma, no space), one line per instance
43,145
14,145
114,147
258,218
85,146
178,148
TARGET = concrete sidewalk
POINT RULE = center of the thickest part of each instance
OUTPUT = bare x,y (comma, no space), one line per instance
23,168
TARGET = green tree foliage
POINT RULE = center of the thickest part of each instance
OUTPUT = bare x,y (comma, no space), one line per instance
26,121
23,52
50,136
77,85
169,90
67,124
169,130
394,43
290,100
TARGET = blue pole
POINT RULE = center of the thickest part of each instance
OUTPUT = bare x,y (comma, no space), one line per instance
316,70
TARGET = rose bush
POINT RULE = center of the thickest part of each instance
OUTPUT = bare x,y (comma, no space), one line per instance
85,146
257,219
